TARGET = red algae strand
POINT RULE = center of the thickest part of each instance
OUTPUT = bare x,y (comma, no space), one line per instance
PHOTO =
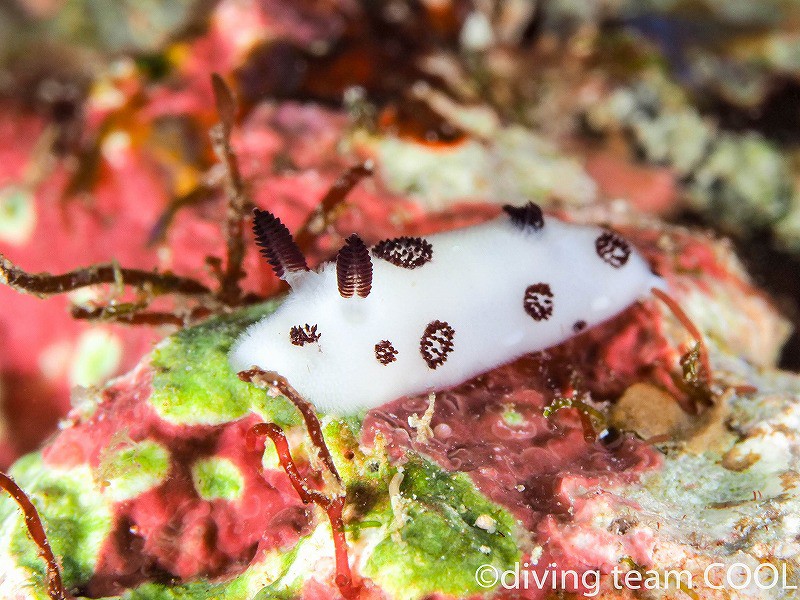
259,377
681,315
55,586
331,205
275,433
332,505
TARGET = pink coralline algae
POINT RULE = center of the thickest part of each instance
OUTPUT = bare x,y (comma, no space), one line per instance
529,436
544,469
494,429
169,530
126,208
150,488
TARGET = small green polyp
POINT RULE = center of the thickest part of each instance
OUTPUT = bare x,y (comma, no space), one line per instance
217,478
17,215
513,418
193,384
134,469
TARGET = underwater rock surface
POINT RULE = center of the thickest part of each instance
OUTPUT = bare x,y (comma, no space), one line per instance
150,490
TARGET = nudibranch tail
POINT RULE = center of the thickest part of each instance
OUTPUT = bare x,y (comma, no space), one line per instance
354,268
277,245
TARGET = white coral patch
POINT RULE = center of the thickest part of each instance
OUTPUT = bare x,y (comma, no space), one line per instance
97,357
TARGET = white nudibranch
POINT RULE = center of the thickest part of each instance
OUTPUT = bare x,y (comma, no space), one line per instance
413,315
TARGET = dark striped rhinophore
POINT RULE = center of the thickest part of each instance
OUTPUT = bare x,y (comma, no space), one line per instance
276,244
405,252
436,343
612,249
529,216
538,301
385,353
354,268
300,335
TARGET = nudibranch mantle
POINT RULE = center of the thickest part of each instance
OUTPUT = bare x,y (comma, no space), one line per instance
437,311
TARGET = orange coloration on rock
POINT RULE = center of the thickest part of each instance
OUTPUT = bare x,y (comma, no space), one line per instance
650,189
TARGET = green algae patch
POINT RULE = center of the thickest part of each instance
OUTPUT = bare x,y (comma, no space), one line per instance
197,590
75,514
193,383
217,478
281,576
341,437
133,469
443,539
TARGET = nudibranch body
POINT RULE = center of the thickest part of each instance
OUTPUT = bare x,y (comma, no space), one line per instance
412,315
